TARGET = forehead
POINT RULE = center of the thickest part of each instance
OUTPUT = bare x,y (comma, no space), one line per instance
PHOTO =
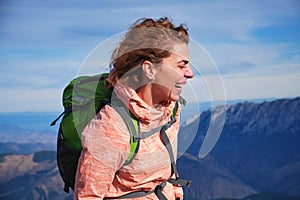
180,52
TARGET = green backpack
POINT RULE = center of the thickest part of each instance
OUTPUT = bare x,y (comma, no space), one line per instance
82,98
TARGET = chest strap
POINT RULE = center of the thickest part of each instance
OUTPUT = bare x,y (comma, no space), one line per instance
166,141
157,191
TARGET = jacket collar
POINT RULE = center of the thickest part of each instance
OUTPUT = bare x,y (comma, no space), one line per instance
142,111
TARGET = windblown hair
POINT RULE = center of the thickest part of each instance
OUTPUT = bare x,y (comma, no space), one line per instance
147,40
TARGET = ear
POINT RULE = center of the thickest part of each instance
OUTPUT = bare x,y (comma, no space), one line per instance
148,69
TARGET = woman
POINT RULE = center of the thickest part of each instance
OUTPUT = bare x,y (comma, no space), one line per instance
148,70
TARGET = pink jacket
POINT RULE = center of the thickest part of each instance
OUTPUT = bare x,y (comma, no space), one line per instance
106,147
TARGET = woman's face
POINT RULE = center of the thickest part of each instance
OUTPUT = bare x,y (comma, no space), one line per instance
172,74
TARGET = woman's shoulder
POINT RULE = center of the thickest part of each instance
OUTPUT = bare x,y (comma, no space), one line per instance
108,116
106,128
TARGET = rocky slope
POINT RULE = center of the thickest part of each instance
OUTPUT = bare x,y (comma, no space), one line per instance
259,146
257,152
30,177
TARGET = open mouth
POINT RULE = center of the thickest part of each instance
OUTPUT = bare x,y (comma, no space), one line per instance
178,86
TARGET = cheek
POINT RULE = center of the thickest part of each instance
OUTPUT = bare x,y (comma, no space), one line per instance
174,77
169,76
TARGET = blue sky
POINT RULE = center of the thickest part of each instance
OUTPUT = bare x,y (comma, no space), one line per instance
253,45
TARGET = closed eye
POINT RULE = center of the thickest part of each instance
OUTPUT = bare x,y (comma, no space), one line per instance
183,62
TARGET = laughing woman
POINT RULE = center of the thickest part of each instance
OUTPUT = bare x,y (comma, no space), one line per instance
149,68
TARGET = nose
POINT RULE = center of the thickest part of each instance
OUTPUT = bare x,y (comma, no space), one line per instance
189,73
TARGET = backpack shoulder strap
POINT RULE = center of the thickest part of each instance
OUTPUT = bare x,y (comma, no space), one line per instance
134,128
166,141
159,188
132,125
144,135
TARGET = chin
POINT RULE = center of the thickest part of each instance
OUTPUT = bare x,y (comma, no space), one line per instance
174,98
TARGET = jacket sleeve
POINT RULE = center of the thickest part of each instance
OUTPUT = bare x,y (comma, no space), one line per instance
106,146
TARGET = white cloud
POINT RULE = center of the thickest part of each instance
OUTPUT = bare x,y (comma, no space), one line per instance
242,87
205,89
60,23
208,88
255,58
255,87
42,45
23,100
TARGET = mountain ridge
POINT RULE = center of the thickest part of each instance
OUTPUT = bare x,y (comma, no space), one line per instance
257,156
250,148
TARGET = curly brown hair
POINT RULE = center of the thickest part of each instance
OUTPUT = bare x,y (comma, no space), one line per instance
147,39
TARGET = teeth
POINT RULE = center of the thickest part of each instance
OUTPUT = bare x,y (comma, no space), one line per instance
178,86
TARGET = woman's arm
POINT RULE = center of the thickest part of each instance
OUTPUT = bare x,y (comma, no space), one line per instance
106,146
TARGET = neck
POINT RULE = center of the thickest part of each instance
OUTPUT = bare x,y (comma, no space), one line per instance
146,93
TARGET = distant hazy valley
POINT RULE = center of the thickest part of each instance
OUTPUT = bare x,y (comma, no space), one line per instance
256,157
